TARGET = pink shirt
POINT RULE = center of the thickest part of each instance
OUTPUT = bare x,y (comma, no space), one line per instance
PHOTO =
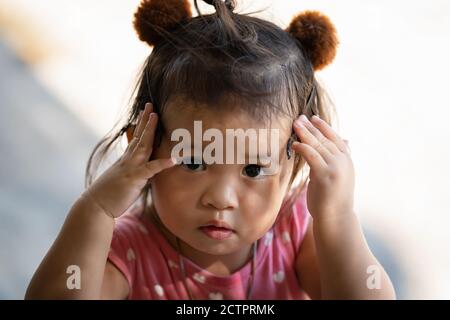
151,265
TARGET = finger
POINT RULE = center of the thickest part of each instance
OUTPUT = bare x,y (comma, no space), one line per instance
144,147
312,157
137,132
131,146
132,140
143,120
149,134
319,135
138,121
307,137
328,132
347,145
151,168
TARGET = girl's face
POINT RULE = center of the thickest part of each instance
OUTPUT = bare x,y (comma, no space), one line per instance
188,197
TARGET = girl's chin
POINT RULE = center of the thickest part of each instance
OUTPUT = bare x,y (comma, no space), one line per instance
205,244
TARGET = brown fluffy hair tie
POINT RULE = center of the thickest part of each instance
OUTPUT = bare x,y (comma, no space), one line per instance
317,35
156,17
315,32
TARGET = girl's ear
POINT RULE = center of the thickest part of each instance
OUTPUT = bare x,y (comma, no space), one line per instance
130,132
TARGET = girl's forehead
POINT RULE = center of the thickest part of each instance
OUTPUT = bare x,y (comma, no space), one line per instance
188,115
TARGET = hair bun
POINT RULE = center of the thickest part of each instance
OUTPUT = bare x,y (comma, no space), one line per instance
154,17
317,36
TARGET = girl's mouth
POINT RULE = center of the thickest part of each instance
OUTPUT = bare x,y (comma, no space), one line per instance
217,233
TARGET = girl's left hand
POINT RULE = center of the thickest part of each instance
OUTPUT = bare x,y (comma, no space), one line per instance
332,178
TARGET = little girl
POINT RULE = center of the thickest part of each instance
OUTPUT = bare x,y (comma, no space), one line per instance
196,229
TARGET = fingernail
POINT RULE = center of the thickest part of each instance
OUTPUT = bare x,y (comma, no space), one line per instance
303,118
298,123
316,117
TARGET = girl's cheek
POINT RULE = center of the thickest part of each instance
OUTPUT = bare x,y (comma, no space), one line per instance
257,208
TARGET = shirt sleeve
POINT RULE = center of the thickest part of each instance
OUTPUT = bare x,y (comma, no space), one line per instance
300,220
121,253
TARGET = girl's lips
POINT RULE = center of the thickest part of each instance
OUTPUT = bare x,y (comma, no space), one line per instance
217,233
218,223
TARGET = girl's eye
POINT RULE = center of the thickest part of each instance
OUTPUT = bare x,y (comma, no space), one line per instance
254,170
192,166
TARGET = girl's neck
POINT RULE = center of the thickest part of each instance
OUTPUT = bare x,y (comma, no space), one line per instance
222,265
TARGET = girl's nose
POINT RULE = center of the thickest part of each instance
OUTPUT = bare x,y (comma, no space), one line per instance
221,195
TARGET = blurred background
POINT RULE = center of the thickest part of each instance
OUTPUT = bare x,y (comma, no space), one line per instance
67,69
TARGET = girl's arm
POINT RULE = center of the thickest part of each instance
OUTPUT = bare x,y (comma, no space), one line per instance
330,264
82,245
347,268
84,241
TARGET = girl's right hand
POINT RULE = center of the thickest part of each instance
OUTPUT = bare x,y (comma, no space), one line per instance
121,184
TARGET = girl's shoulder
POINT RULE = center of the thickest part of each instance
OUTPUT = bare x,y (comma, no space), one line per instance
139,252
132,222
